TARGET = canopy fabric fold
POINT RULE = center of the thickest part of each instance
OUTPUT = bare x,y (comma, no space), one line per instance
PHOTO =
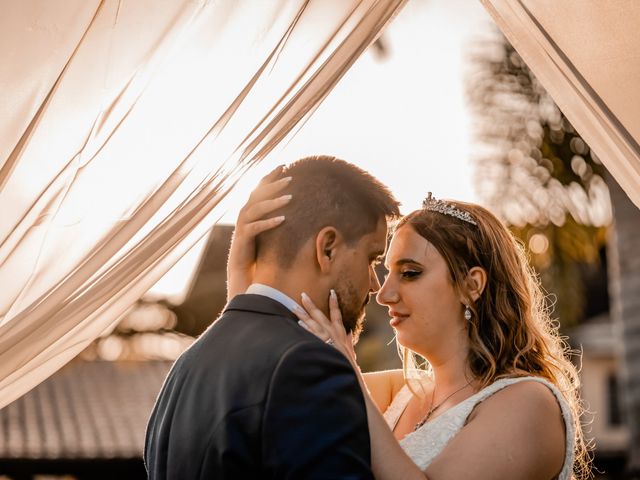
123,126
586,54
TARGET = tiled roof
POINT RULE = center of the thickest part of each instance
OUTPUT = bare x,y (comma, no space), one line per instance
86,410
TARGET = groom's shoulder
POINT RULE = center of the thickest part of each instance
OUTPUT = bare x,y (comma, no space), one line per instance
255,317
256,328
255,306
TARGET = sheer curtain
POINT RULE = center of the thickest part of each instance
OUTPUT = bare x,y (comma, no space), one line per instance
586,54
122,127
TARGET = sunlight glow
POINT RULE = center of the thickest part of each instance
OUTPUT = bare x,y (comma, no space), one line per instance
401,117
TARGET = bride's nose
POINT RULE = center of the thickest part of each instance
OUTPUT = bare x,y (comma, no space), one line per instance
387,293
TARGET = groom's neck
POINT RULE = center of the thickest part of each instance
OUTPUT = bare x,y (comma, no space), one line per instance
291,281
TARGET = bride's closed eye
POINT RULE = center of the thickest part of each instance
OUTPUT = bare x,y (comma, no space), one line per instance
410,274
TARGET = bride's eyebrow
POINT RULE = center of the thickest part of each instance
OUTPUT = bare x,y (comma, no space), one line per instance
404,261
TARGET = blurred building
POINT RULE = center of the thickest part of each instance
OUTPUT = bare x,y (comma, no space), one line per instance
595,337
86,422
600,386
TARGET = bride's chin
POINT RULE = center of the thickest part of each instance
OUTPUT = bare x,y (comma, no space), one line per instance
407,343
403,341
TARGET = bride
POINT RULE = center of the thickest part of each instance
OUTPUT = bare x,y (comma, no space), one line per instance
497,397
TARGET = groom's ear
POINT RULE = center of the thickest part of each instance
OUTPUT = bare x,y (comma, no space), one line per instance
327,241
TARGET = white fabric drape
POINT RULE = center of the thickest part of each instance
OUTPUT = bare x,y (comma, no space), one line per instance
122,126
586,53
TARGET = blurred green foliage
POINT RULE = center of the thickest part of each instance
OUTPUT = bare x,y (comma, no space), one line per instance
535,172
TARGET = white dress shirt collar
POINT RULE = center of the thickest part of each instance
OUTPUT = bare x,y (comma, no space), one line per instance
274,294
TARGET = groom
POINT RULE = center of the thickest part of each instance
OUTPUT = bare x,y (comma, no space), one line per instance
258,396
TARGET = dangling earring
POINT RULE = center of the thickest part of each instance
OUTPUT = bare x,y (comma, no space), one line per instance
467,313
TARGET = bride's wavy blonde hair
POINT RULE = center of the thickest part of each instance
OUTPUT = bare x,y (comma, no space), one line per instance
510,333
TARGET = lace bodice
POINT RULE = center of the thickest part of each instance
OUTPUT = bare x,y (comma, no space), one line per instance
428,441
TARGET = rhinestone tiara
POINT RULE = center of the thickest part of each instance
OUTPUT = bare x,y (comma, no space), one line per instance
433,205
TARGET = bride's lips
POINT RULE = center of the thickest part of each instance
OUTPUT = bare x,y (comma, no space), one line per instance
396,318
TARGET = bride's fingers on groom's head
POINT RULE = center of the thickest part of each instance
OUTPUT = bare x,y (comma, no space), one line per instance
272,175
259,210
256,228
272,189
268,191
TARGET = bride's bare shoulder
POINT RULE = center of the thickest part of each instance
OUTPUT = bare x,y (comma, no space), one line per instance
527,394
527,402
384,385
523,425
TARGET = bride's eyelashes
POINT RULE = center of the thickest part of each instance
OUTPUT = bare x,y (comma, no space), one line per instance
410,274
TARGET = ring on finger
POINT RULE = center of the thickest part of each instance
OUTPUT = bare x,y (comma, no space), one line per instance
330,342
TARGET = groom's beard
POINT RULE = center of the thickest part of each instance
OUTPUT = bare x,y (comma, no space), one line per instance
352,307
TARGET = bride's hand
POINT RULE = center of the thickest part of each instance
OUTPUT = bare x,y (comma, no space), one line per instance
331,329
252,220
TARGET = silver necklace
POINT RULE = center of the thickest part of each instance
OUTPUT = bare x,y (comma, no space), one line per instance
433,408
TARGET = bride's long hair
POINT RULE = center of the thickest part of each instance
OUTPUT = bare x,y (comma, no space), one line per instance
510,331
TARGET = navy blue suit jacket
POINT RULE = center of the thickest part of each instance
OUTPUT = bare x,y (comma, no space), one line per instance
257,396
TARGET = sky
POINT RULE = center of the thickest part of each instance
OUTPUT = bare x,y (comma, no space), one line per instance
402,117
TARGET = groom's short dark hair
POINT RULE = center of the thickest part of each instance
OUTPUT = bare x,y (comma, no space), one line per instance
326,192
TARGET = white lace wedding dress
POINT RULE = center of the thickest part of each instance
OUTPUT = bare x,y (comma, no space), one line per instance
428,441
